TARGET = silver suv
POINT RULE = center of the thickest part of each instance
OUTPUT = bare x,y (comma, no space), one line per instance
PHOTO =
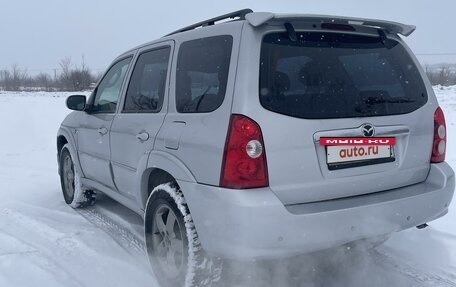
261,135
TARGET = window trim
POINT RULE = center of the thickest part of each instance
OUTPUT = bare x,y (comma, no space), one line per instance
92,97
167,45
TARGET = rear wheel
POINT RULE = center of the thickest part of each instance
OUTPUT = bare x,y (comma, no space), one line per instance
73,192
173,247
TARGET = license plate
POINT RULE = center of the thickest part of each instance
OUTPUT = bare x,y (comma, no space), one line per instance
342,152
339,154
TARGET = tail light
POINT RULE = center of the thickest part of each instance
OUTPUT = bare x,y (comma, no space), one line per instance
440,138
244,158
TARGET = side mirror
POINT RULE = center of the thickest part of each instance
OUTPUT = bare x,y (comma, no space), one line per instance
76,102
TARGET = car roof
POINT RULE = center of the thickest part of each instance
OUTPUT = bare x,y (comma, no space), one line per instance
257,19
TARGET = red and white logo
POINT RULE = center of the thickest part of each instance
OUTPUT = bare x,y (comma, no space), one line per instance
355,141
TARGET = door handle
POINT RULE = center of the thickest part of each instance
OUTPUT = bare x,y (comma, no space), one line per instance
102,131
142,136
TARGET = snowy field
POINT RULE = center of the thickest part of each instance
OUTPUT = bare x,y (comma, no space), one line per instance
43,242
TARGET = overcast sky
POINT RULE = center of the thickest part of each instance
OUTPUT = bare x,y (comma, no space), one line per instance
37,34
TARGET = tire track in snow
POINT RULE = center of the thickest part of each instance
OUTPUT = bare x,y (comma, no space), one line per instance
41,255
126,239
396,264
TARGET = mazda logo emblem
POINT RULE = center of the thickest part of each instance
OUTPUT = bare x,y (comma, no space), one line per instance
368,130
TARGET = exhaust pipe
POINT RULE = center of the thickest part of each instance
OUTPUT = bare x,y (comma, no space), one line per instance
422,226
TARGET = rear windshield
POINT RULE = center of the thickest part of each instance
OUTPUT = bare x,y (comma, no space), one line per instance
334,75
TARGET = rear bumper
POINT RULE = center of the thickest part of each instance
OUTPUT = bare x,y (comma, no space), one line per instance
244,224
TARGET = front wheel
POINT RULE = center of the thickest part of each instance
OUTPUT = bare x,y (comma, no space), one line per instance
73,192
175,253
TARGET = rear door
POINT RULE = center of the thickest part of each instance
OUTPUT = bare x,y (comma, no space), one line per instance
93,133
142,113
201,90
338,84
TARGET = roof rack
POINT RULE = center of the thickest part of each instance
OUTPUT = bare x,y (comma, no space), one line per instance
236,14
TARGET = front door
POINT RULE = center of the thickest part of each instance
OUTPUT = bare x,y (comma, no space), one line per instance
93,134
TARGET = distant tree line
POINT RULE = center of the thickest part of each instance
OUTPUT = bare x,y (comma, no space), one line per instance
444,75
69,77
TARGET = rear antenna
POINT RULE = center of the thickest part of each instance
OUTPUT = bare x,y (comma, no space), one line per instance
291,32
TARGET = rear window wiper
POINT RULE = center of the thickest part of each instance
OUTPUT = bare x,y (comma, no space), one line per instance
377,100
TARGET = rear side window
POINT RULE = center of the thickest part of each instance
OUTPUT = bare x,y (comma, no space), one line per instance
335,75
148,81
202,74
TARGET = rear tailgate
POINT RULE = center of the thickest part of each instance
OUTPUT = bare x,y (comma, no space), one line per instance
332,84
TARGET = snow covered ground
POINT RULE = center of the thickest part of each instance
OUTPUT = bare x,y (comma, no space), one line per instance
43,242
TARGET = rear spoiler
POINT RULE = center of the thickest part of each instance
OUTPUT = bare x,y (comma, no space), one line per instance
257,19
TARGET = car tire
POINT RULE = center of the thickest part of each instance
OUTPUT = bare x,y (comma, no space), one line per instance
74,194
173,247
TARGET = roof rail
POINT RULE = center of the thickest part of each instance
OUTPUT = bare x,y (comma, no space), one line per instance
236,14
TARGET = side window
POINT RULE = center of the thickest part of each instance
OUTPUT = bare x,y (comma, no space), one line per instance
108,91
148,81
202,74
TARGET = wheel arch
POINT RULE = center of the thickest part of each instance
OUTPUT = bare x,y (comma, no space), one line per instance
64,136
162,168
61,141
